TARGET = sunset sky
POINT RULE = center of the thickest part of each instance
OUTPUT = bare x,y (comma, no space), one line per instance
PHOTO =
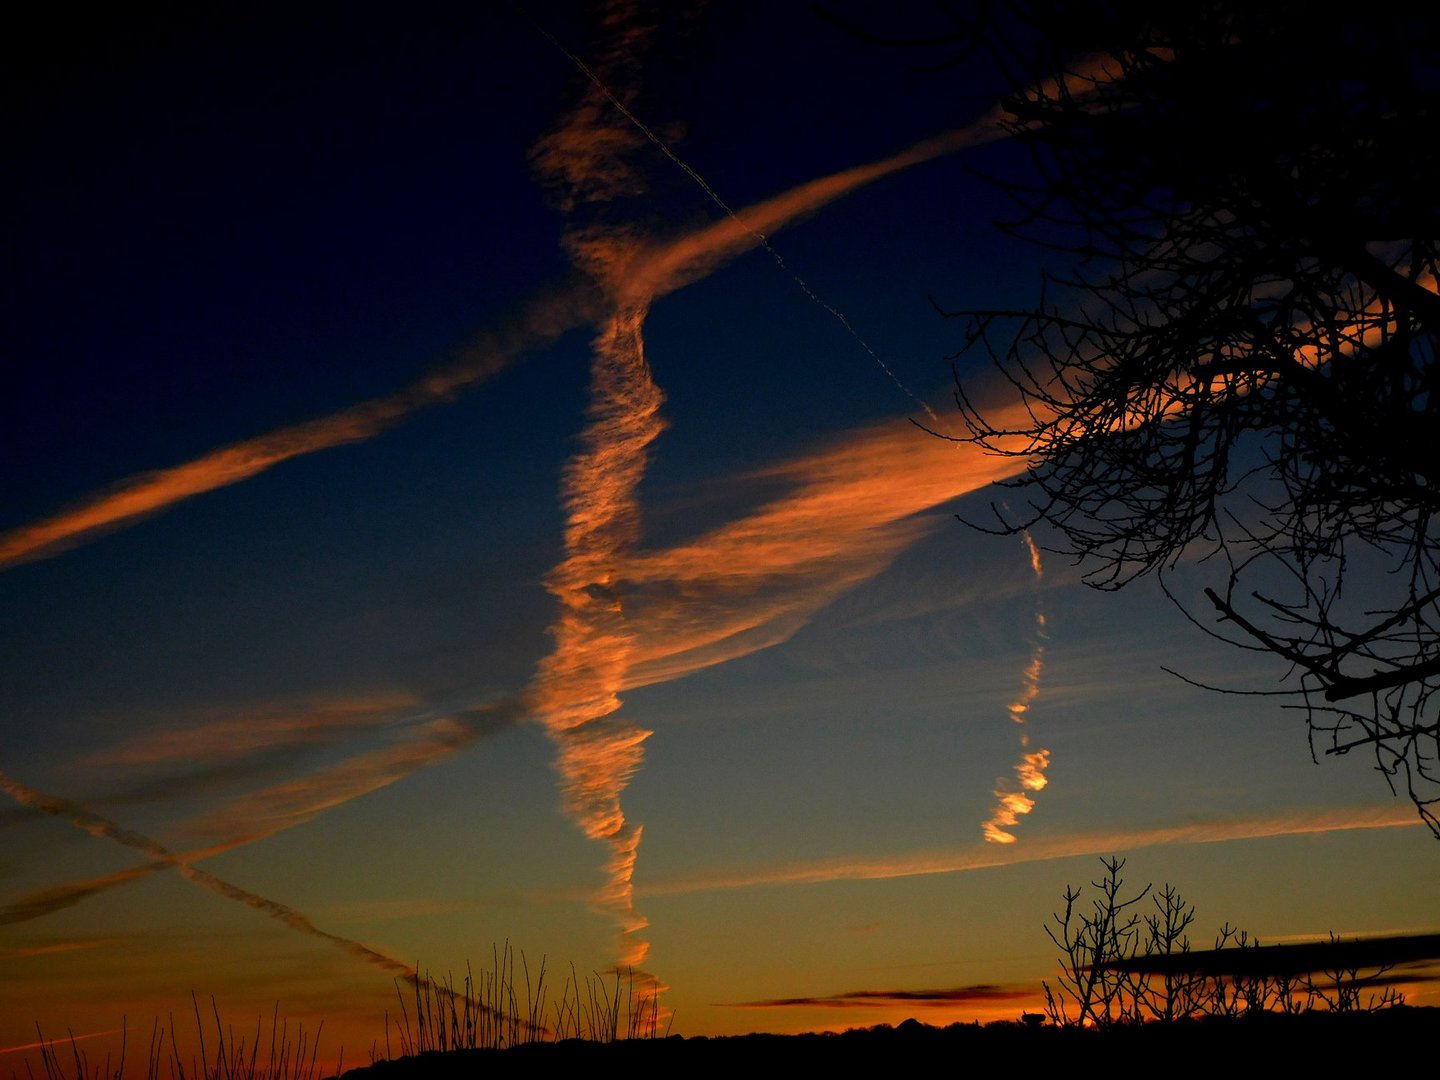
433,517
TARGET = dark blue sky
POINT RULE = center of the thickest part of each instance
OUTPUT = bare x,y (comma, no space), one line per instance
222,222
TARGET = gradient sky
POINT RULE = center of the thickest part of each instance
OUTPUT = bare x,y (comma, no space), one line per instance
431,520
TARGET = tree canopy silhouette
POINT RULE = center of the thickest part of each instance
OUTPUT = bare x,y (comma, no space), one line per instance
1239,360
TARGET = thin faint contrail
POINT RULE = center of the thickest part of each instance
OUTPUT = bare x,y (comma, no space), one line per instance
70,1037
987,129
82,817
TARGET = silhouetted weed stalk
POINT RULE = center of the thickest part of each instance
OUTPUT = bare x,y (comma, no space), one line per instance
508,1005
288,1055
1123,963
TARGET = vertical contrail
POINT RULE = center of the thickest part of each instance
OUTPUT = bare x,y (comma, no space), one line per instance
1030,770
577,688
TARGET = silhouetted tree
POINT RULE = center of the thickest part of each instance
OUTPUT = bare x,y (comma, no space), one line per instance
1118,966
1092,946
1240,361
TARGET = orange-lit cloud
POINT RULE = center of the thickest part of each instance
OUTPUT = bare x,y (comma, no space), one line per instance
576,689
851,508
267,811
545,319
44,902
606,640
1036,849
635,273
250,731
631,618
1030,770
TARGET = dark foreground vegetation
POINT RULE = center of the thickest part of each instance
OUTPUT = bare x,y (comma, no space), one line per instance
1129,988
1317,1038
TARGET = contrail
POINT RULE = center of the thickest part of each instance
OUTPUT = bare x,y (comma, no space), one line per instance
96,825
543,320
1030,770
266,812
982,856
49,1044
851,507
161,857
985,130
576,692
48,901
651,272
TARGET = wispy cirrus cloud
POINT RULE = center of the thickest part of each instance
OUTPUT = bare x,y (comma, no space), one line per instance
1037,849
161,857
848,509
42,902
269,810
257,815
265,728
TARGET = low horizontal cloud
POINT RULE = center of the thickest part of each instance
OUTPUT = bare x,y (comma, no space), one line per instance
1298,959
981,994
51,948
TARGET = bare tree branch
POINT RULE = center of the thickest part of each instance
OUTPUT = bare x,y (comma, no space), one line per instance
1240,361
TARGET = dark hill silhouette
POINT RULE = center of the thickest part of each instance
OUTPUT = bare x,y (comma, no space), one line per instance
1313,1039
